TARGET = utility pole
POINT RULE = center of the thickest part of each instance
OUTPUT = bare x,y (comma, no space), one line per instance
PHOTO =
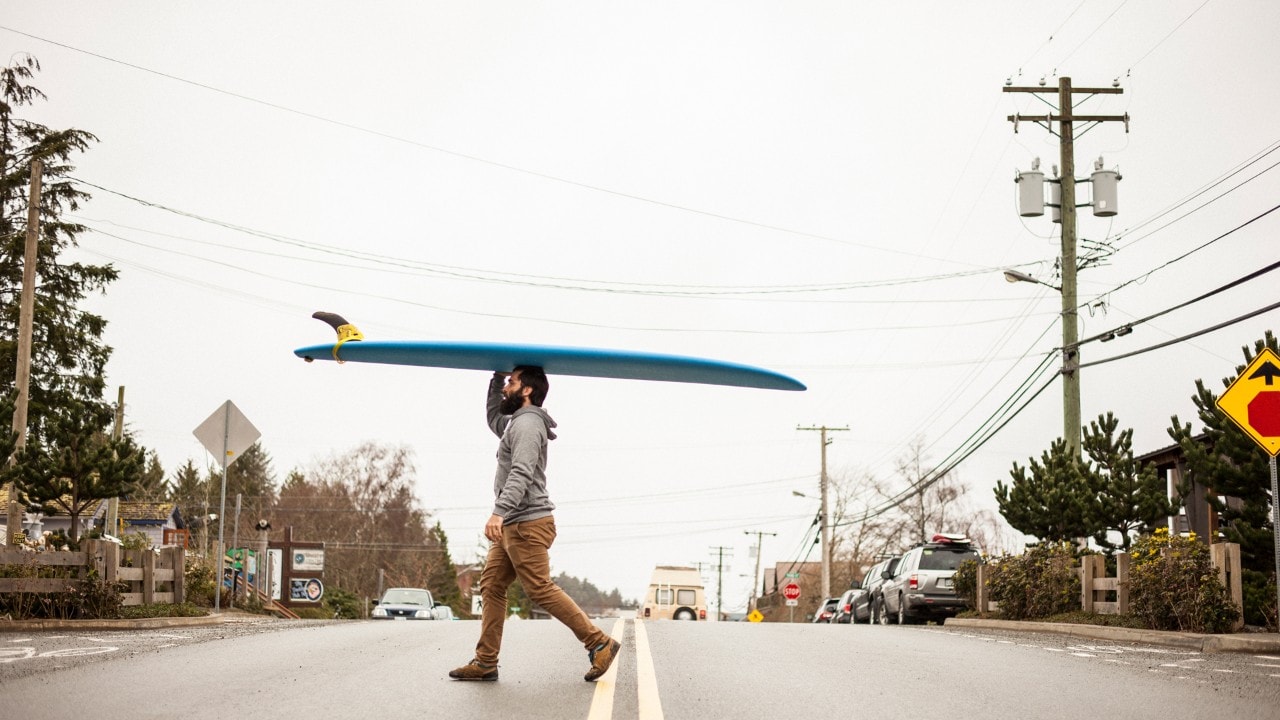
1070,320
26,324
111,522
755,579
822,513
719,551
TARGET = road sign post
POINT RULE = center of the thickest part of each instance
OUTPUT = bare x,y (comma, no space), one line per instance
791,591
1252,401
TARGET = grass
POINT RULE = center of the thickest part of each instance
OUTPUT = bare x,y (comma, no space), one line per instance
138,612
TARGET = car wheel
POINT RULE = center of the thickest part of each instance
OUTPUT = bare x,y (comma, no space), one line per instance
683,614
902,612
882,612
941,620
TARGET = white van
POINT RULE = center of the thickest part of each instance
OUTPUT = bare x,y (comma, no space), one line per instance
675,593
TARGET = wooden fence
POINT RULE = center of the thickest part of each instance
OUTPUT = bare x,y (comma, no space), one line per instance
1110,595
152,576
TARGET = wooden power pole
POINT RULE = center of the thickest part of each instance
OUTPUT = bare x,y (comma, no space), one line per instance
822,514
1066,118
26,323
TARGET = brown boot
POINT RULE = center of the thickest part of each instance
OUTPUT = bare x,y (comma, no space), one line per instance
475,670
601,658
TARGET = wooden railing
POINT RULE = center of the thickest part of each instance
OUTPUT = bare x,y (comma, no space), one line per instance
152,576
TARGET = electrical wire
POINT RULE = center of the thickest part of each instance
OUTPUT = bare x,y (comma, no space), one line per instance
1186,337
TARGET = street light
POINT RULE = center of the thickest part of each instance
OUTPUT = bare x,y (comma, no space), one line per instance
1013,276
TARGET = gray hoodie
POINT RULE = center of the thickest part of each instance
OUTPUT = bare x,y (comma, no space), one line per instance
520,484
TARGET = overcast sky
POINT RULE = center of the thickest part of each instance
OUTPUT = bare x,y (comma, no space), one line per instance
825,189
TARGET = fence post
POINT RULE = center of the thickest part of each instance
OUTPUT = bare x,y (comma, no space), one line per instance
111,561
148,577
1226,558
179,557
1091,568
1122,583
981,592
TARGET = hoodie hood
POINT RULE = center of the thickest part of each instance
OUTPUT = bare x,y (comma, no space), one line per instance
546,418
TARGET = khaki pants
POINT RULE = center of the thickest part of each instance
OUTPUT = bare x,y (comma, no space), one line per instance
523,554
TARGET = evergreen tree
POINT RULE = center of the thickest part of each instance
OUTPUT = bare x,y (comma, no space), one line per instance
151,485
1127,499
68,354
75,465
1054,502
1228,463
190,492
251,477
442,580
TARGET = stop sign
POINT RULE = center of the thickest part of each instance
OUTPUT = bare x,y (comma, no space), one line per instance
791,591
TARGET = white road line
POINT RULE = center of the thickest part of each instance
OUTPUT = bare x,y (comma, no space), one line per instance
1262,665
646,679
1268,657
602,700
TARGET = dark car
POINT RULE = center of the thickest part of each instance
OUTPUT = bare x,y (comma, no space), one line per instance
844,607
921,588
826,611
865,604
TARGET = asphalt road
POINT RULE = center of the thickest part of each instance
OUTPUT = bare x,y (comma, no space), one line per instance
667,669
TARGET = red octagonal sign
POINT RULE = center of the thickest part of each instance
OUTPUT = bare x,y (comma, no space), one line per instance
791,591
1264,413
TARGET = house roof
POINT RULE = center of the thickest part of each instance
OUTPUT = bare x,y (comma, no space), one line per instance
131,511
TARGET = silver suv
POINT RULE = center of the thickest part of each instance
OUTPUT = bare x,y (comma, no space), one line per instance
921,589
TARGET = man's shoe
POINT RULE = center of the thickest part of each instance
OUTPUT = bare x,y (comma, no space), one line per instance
601,658
475,670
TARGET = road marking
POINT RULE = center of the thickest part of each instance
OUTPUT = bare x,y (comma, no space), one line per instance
602,700
646,679
1267,657
1262,665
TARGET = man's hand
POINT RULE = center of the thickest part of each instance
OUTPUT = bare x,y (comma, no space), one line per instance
493,528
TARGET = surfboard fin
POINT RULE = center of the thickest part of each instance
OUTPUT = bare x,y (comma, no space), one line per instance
346,331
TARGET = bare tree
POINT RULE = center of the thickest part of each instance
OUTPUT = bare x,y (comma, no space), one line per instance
361,504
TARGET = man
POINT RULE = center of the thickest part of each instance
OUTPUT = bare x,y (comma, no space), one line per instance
521,528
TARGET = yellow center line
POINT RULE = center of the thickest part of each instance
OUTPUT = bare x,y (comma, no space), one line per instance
602,700
646,680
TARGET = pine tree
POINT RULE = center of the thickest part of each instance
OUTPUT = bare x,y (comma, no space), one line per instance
151,485
1053,502
1228,463
68,354
251,477
1127,498
443,577
75,465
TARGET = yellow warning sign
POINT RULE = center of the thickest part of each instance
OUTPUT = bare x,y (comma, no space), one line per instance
1252,401
755,616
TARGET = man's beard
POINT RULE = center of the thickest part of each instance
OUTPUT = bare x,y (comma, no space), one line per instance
511,403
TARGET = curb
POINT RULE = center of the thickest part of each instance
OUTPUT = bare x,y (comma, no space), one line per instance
139,624
1240,642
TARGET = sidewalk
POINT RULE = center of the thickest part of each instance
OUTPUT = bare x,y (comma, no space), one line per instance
1238,642
156,623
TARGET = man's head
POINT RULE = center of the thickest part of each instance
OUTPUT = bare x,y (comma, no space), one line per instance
525,385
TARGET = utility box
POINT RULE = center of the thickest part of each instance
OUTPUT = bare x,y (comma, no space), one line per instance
1105,201
1055,199
1030,193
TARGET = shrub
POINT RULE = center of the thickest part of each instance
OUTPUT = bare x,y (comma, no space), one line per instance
342,603
1174,586
965,582
198,581
1038,583
1259,599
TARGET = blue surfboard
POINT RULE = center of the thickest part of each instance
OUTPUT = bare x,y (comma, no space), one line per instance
555,360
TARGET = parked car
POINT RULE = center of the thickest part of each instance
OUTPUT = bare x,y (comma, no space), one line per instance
865,605
407,604
825,611
921,588
844,607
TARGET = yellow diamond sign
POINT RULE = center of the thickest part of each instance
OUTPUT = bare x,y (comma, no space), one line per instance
755,616
1252,401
